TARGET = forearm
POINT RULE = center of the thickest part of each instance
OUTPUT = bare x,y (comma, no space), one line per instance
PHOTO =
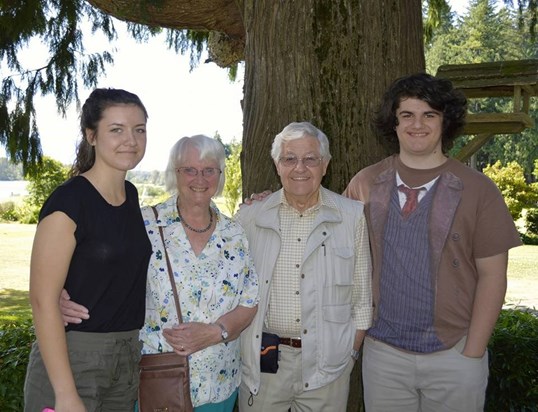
489,298
51,338
237,320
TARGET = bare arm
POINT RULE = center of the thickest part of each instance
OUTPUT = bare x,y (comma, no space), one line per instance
195,336
52,250
488,301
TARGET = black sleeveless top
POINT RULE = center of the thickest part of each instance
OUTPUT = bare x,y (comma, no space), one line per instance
108,269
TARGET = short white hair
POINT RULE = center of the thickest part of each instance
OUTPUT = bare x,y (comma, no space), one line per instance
210,149
298,130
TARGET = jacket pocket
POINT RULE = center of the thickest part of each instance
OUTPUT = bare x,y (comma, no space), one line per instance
341,265
337,336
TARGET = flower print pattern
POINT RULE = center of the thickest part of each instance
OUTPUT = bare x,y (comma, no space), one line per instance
209,285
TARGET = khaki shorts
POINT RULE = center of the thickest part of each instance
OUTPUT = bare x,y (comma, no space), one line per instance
105,368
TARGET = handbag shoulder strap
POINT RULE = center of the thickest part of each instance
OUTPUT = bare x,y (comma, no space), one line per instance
170,272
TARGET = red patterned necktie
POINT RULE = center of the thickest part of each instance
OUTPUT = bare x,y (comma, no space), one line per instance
411,199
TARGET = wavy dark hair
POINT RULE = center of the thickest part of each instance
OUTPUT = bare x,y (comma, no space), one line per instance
438,93
92,112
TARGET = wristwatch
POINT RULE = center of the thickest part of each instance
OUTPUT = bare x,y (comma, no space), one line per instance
355,354
223,331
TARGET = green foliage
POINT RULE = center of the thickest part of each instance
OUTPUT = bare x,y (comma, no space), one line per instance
487,33
531,220
10,171
51,174
150,194
8,212
60,28
515,190
529,239
15,343
513,348
233,186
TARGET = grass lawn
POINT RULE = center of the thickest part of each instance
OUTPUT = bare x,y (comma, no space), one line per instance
16,241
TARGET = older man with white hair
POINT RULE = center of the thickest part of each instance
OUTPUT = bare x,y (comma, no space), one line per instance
310,248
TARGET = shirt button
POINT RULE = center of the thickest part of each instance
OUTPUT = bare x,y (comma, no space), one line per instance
455,237
302,275
297,320
296,292
297,265
304,331
455,263
298,239
306,385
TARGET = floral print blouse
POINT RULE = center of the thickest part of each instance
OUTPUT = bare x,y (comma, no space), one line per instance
209,285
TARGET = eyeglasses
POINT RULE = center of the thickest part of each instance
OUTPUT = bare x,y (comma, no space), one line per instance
193,172
292,161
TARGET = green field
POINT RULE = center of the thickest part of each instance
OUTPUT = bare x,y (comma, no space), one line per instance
16,241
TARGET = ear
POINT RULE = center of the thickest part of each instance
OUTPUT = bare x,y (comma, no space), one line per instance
325,164
277,167
89,135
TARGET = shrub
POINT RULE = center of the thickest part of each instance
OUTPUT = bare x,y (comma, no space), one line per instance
8,212
529,238
511,182
513,349
15,343
513,377
531,221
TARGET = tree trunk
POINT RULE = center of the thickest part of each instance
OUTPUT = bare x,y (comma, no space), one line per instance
326,62
323,61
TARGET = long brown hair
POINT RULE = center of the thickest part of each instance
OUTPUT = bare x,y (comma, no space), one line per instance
92,112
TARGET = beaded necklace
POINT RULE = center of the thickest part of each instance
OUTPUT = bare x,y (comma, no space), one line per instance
181,219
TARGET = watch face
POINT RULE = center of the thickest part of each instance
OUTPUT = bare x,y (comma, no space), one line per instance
224,332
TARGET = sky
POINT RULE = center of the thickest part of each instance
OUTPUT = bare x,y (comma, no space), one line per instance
179,102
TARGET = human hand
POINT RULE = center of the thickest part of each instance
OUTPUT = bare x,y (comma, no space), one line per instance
69,403
71,311
256,197
187,338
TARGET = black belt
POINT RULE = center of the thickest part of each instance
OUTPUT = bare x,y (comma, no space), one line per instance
294,343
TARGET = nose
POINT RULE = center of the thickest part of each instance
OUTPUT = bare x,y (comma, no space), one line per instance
129,138
300,165
418,122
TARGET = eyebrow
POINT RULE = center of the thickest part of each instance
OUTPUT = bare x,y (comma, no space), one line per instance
427,112
123,124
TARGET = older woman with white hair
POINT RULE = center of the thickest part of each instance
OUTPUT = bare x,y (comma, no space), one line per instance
215,277
213,271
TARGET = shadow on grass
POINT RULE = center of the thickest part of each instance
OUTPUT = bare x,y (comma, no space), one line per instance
14,305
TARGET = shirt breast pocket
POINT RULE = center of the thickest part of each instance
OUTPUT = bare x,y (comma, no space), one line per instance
338,278
341,266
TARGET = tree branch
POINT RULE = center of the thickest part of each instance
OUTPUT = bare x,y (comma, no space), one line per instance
203,15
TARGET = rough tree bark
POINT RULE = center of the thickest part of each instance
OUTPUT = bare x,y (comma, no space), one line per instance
327,62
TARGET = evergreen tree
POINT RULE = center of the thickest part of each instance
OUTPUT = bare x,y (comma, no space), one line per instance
485,34
232,187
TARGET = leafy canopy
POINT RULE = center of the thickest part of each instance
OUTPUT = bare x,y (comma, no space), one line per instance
60,26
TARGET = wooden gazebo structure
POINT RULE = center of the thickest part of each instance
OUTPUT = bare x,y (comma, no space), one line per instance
517,79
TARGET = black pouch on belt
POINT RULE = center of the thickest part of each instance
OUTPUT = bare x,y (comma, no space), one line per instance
269,353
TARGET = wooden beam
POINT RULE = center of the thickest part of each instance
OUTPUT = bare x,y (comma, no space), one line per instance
473,146
497,123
